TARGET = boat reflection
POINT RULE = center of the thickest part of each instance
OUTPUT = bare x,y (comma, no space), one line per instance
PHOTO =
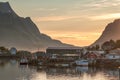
82,69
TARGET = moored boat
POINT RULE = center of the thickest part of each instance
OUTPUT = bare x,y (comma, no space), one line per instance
82,62
40,63
23,61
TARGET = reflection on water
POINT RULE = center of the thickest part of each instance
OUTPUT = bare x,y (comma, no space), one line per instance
11,70
82,73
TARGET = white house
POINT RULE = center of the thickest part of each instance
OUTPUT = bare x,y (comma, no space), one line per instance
13,51
113,54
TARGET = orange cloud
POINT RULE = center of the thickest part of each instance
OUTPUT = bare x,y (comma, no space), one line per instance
105,16
55,18
75,38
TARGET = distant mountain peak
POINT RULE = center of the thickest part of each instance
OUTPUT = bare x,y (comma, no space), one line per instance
5,8
112,31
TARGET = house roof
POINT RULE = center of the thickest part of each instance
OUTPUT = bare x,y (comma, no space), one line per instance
64,48
92,53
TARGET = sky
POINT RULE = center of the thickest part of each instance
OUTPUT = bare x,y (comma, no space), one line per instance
77,22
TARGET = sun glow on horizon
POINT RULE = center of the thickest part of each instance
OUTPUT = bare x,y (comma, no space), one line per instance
75,38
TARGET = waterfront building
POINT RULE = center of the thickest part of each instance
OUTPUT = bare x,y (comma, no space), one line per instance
69,53
113,54
101,52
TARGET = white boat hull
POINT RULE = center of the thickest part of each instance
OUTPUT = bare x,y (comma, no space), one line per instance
23,61
81,62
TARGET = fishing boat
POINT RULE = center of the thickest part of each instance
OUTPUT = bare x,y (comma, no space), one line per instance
82,62
23,61
40,63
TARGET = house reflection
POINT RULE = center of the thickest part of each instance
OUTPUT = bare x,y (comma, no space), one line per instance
70,71
80,72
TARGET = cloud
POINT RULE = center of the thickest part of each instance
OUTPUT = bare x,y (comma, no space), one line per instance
103,3
61,18
74,35
70,36
46,9
97,5
105,16
54,18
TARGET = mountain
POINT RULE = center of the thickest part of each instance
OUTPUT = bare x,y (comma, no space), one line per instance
21,32
112,31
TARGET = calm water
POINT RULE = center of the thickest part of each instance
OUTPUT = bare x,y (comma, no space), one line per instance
11,70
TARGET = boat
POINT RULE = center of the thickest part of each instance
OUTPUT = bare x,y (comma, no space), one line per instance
82,62
62,65
82,68
40,63
23,61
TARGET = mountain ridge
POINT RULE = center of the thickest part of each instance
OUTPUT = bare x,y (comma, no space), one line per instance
111,32
22,33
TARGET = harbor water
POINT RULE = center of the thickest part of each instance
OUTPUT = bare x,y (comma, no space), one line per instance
11,70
